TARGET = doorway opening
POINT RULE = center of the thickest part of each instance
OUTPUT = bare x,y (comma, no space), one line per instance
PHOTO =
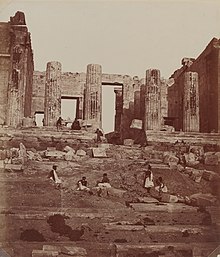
109,105
68,109
39,116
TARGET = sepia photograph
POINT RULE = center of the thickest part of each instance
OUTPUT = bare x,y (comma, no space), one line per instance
109,128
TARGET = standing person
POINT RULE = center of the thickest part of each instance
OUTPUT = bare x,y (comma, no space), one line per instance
53,176
99,135
148,179
59,123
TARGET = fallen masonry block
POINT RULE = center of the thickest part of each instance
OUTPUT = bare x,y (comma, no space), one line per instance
68,148
211,159
80,152
128,142
69,156
203,199
3,154
2,164
42,253
136,124
167,198
116,192
14,167
99,152
104,145
66,250
54,153
147,200
209,175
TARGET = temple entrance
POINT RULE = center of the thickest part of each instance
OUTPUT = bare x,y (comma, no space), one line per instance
68,109
109,105
39,116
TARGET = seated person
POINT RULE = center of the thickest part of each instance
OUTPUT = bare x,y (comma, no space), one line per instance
160,186
53,176
104,182
82,185
75,125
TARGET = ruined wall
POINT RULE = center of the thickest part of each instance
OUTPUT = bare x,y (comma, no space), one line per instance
118,108
16,68
207,65
4,68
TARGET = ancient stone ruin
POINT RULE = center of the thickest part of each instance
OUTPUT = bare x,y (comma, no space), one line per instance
47,215
180,101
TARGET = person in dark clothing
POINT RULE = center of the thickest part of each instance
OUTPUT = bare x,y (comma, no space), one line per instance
105,178
99,135
59,123
160,186
75,125
83,185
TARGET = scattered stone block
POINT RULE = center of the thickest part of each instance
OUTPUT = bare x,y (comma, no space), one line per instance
42,253
80,152
14,167
116,192
54,154
51,248
197,150
211,159
128,142
196,175
203,199
3,154
2,164
104,145
68,148
147,200
209,175
167,198
23,153
74,251
137,124
51,148
218,154
99,152
191,159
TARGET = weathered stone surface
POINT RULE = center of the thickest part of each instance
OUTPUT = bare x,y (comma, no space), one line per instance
43,253
2,164
54,154
147,200
23,153
137,124
80,152
68,148
128,142
191,159
167,198
203,199
211,159
218,154
14,167
116,192
3,154
209,175
99,152
69,156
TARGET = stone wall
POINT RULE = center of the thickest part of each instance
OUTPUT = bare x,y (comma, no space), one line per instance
16,68
207,67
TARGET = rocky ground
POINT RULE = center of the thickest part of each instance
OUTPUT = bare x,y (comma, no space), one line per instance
38,219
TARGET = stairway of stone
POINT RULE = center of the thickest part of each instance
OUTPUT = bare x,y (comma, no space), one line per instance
37,219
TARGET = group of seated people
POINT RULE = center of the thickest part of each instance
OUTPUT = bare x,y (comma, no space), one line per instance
100,185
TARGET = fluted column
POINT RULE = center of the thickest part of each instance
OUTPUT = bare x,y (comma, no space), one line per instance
52,102
93,95
152,119
191,102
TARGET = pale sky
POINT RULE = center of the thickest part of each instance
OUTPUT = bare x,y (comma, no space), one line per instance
125,37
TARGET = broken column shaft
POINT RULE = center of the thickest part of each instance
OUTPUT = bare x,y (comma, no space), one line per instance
52,103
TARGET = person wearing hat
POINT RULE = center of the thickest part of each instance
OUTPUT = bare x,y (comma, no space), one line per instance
53,175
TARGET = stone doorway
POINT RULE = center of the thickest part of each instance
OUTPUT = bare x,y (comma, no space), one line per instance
39,116
69,109
109,106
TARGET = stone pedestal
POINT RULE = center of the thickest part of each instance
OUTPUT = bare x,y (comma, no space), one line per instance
93,93
191,102
152,119
52,102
